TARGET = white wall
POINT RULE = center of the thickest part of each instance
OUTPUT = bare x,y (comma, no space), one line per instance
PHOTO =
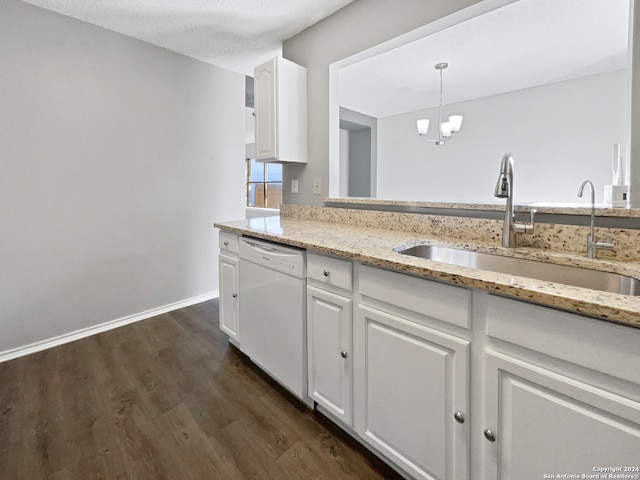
358,26
543,127
116,157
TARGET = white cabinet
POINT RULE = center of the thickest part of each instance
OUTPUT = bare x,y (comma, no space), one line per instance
329,327
410,384
329,349
545,423
390,359
561,393
280,91
229,284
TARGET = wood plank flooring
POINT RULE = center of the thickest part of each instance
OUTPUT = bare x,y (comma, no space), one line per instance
164,398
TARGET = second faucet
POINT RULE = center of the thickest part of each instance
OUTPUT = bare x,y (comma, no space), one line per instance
592,245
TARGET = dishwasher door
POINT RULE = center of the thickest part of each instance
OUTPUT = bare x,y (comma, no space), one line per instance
273,313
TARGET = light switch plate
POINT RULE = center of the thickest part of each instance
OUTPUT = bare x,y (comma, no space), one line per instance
317,186
294,185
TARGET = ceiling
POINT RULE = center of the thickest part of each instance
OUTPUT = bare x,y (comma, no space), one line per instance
234,34
524,44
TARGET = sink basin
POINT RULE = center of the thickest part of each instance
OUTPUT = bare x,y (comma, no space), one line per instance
550,272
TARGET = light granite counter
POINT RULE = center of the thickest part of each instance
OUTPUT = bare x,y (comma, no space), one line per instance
375,246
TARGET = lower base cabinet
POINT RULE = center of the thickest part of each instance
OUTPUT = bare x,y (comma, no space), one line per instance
560,394
329,349
229,284
229,288
549,424
553,394
410,386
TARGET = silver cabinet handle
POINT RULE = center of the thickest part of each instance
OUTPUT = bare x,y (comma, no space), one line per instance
489,435
344,354
459,417
325,272
226,243
234,295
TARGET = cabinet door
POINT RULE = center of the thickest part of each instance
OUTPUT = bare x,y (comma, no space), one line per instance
265,88
329,322
410,381
549,424
229,288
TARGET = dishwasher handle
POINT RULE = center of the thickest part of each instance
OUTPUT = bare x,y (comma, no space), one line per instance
281,258
262,247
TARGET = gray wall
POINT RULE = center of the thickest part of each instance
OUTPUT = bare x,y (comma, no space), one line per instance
358,26
360,163
560,135
116,157
359,154
366,23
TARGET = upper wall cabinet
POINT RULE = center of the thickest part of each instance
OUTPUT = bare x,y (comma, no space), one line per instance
280,90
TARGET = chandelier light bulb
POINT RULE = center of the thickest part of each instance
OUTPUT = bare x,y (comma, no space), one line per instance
456,122
423,126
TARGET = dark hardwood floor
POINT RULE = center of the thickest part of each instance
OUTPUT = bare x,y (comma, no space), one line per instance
164,398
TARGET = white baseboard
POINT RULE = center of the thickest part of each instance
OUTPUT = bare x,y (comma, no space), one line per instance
103,327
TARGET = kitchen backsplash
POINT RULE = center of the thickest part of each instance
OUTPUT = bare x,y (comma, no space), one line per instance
547,236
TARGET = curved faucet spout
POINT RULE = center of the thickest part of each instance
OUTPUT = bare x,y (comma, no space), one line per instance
593,195
592,245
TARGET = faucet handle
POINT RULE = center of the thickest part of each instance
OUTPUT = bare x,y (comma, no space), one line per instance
529,227
604,245
526,227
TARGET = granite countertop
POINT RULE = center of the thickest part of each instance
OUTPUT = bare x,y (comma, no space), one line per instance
376,247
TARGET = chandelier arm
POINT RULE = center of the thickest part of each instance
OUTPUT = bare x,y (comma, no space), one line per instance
437,141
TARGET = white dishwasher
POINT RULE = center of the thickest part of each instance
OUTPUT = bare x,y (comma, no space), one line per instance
273,312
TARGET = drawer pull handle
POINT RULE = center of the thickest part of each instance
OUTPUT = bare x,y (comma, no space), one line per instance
226,243
459,417
234,295
344,354
325,272
489,435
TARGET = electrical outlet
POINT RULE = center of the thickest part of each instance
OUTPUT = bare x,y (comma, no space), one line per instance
317,186
294,185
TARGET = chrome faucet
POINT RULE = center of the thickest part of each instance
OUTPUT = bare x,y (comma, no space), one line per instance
592,245
504,189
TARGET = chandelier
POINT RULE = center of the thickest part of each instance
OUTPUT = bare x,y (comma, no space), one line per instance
446,130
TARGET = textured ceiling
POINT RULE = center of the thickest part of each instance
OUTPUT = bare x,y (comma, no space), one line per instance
234,34
523,44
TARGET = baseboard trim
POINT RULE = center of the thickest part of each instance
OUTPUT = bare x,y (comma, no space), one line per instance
103,327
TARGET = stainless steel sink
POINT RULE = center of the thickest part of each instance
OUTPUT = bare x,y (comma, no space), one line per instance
550,272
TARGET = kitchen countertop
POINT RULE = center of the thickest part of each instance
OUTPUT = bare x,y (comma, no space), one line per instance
376,247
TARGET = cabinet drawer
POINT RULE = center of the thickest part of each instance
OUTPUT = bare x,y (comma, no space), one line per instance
588,342
228,242
446,303
330,270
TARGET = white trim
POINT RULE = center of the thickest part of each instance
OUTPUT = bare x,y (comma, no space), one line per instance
103,327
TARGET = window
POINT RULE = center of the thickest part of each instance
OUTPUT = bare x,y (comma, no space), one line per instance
264,184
